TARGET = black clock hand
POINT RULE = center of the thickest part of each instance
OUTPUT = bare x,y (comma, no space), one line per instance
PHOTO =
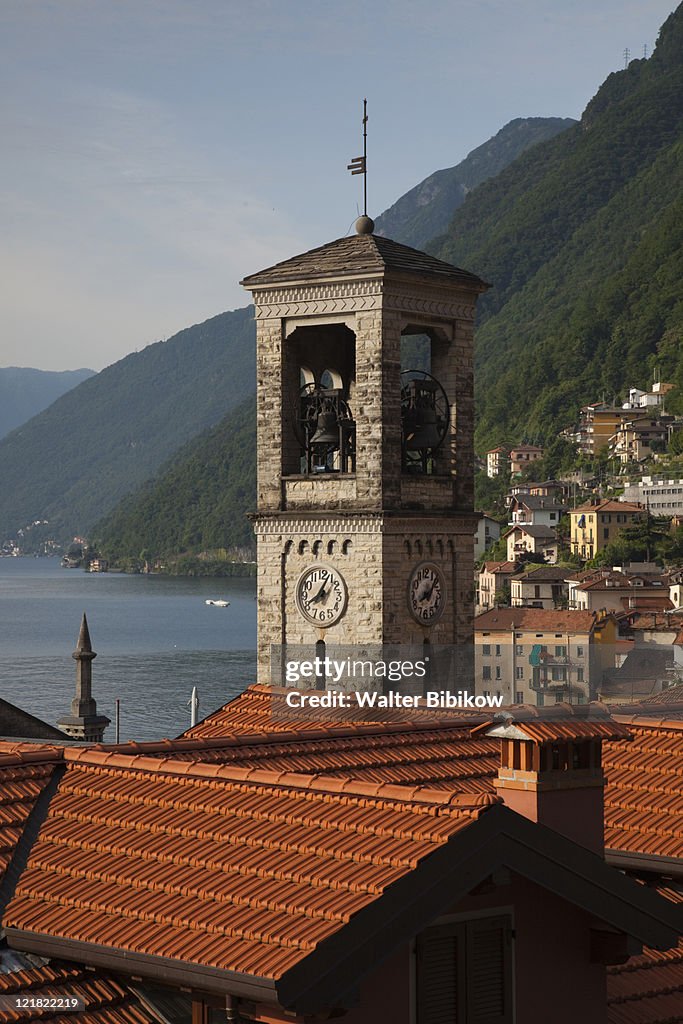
320,595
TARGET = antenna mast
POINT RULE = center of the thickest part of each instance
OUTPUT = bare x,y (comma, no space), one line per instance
627,57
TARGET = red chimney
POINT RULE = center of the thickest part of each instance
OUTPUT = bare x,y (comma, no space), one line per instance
551,767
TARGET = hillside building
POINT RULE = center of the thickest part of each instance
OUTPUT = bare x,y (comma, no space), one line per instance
537,540
636,440
609,590
522,455
542,657
543,586
661,497
535,510
596,523
497,462
493,584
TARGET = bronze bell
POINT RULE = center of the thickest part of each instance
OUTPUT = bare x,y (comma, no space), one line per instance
327,429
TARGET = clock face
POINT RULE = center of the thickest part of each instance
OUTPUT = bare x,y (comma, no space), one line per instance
426,593
321,595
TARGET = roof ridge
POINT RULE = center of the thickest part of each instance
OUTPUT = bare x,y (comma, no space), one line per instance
329,731
26,753
651,722
436,799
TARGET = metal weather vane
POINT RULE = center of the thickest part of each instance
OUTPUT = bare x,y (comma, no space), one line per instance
359,164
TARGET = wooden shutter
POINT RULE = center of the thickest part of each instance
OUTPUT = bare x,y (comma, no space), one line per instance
489,971
437,975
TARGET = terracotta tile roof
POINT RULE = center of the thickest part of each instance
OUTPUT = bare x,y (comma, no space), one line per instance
644,789
648,989
539,502
506,567
361,254
538,619
442,756
671,695
25,770
618,581
239,869
609,506
539,532
544,573
108,1000
549,724
262,709
652,621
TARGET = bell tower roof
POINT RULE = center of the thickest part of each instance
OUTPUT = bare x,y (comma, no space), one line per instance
360,255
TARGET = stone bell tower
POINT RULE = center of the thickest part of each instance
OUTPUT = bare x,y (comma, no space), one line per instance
365,519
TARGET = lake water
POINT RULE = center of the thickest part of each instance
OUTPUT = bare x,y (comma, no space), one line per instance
154,635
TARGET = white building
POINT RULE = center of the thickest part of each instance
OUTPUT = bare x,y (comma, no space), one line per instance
664,497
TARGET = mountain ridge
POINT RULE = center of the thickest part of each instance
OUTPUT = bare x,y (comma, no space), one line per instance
25,391
416,217
112,432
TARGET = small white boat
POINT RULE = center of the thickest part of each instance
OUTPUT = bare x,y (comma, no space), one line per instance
217,604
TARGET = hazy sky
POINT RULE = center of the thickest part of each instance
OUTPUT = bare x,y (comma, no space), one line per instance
157,151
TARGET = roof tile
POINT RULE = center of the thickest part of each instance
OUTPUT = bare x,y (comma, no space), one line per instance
184,876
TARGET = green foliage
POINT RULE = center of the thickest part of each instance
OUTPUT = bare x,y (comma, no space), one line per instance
582,239
197,504
72,463
489,494
642,541
498,552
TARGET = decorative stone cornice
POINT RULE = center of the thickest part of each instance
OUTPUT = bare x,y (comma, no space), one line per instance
346,296
298,523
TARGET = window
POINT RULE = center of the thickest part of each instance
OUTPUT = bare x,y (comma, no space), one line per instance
560,651
464,972
579,675
486,650
497,671
486,672
559,674
487,693
605,533
519,650
519,697
498,650
579,652
559,697
519,672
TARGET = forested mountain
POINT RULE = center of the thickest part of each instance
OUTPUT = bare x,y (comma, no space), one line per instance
24,392
73,462
197,503
582,239
424,212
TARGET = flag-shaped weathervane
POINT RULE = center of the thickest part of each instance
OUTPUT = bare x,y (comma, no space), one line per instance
359,164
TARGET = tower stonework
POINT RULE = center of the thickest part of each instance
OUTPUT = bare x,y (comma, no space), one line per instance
362,471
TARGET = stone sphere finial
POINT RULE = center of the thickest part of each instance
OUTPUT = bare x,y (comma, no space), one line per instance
365,225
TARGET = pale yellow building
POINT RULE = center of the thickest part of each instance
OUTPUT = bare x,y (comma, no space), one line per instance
595,524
